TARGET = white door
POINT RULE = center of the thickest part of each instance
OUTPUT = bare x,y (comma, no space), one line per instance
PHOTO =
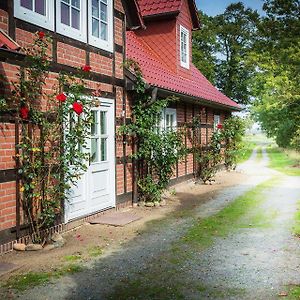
95,190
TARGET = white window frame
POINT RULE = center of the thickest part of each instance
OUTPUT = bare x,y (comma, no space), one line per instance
98,42
217,120
187,33
171,112
69,31
30,16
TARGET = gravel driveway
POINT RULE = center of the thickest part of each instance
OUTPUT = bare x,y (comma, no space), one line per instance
251,263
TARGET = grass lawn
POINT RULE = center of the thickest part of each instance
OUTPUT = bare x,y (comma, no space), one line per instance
285,161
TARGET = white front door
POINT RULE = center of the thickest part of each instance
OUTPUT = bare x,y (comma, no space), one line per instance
95,189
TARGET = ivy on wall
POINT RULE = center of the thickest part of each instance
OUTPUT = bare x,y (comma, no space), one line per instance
158,150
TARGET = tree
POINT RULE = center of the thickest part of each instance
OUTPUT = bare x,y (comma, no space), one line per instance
221,49
277,87
236,34
205,47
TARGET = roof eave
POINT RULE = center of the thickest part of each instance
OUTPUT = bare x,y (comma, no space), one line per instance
162,16
133,14
197,100
194,14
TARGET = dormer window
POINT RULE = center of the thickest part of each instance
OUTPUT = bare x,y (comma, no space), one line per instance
184,47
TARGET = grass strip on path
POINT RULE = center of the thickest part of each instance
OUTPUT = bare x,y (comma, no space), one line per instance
259,154
23,282
296,228
160,280
242,213
284,161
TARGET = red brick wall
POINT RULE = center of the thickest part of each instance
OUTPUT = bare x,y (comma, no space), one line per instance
7,205
68,55
3,21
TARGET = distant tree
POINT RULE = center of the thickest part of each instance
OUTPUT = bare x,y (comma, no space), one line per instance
277,84
221,47
236,34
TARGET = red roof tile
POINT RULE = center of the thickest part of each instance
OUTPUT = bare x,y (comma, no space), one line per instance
155,7
158,7
7,43
157,74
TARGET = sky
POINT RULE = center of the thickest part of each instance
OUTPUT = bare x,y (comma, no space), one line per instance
215,7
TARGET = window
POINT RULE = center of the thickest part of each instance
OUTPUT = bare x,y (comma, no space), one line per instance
169,119
71,18
184,47
74,19
100,24
99,137
216,121
38,12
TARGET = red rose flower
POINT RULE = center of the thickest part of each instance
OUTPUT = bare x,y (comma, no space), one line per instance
219,126
86,68
78,108
41,35
61,97
24,112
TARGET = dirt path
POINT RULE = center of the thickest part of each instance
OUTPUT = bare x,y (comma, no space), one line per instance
251,263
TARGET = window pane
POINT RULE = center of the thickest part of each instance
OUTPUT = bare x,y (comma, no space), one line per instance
95,8
65,14
103,149
171,121
40,7
76,3
167,121
95,29
103,12
94,150
103,122
75,18
103,31
95,123
104,1
27,4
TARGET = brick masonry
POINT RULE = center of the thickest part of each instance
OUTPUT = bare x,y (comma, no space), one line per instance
161,36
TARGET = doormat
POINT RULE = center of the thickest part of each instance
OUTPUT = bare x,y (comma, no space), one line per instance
115,219
7,267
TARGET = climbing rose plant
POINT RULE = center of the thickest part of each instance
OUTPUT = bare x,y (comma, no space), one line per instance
158,150
52,152
227,136
232,135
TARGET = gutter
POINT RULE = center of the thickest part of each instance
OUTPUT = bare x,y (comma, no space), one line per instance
161,92
193,100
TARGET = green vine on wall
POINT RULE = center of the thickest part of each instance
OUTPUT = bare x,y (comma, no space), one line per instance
232,134
229,135
54,130
158,150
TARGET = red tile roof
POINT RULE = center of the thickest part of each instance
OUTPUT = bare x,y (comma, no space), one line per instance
155,7
157,74
7,43
150,8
